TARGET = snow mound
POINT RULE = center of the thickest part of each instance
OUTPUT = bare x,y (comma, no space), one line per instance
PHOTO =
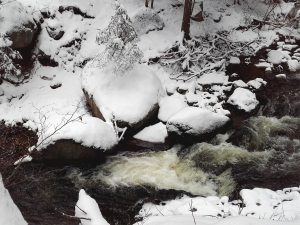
87,207
213,78
266,206
169,105
195,121
257,83
243,99
277,56
147,20
90,132
156,133
9,212
129,98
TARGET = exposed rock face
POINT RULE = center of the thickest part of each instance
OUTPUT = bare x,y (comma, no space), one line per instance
69,151
18,24
23,35
195,123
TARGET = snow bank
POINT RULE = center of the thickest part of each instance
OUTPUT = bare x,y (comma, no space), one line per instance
169,105
195,121
243,99
266,206
128,98
87,207
156,133
9,212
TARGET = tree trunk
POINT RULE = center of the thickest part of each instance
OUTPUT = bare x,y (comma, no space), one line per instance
186,18
146,3
152,4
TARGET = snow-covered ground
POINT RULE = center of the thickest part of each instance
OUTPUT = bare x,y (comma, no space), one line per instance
52,94
257,206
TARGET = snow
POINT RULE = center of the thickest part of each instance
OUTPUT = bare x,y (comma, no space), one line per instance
195,121
213,78
239,83
262,206
169,105
156,133
293,65
234,60
243,99
9,212
128,98
257,83
87,207
277,56
14,20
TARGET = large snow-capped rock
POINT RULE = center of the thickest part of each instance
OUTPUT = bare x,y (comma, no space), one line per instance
9,212
131,99
243,99
196,122
17,24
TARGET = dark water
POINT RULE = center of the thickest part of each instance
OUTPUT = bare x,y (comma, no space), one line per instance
44,191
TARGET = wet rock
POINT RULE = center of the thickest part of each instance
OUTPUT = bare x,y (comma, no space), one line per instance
55,85
56,34
69,151
46,60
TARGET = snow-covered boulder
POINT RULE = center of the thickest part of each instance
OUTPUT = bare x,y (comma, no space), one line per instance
156,133
277,56
256,83
213,78
87,207
196,122
9,212
147,20
131,99
169,105
17,24
293,65
243,99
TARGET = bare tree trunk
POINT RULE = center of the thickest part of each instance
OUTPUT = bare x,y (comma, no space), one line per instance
146,3
186,18
152,4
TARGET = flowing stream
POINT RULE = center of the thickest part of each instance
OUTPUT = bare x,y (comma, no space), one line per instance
261,151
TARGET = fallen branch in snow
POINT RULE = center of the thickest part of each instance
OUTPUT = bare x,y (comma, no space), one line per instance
73,217
201,55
